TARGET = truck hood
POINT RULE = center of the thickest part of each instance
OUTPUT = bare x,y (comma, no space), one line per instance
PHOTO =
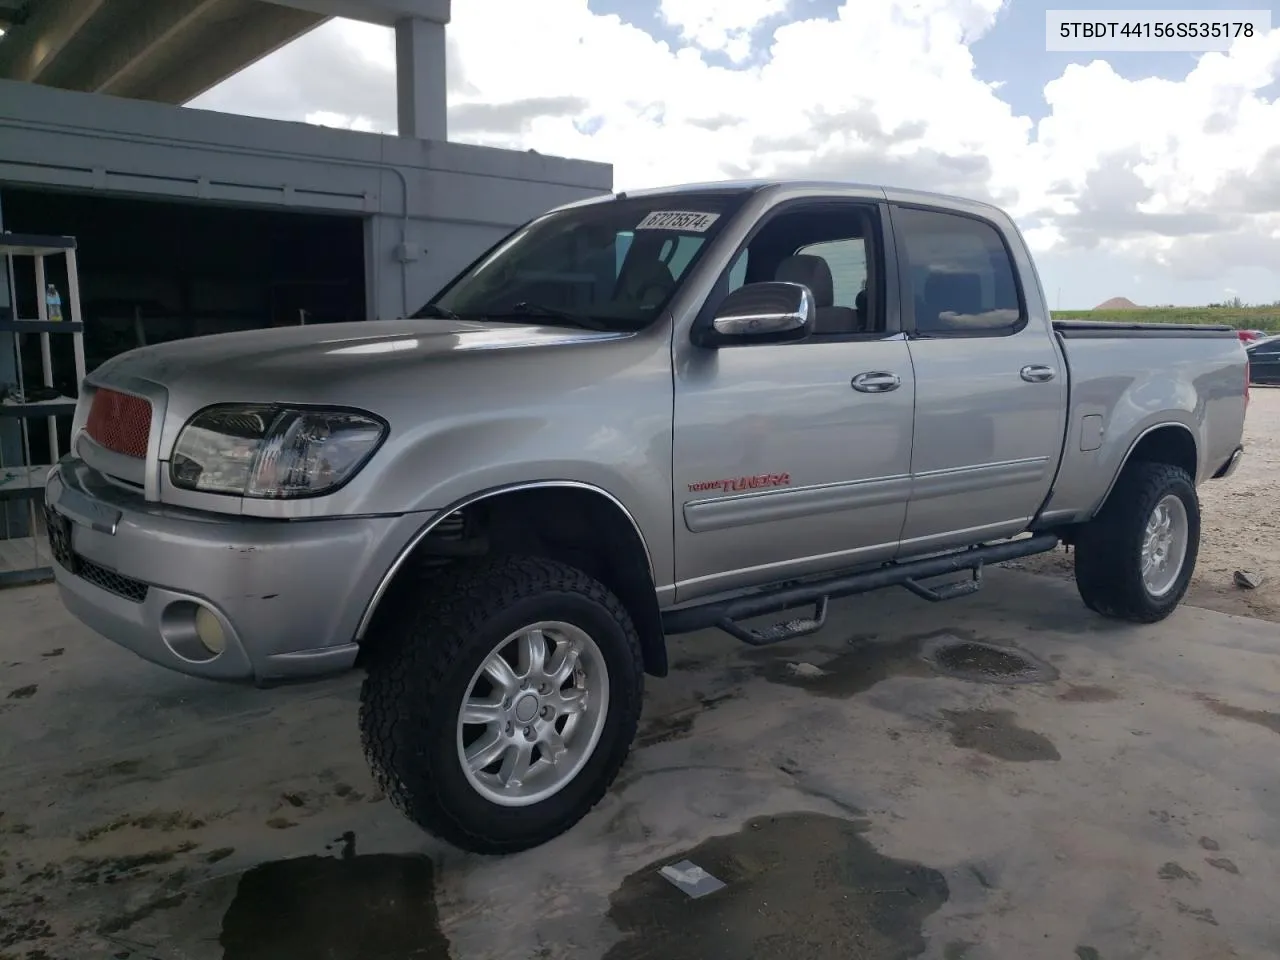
309,363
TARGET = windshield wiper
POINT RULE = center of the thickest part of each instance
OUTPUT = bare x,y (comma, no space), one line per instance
526,308
435,310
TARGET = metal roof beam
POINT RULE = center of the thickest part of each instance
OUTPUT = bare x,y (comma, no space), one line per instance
142,38
384,12
220,49
45,32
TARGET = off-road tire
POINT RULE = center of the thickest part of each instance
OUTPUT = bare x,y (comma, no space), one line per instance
1108,549
418,672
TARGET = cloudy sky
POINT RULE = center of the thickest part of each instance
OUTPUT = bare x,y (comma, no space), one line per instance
1154,176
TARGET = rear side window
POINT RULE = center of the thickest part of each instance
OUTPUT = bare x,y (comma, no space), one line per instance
962,278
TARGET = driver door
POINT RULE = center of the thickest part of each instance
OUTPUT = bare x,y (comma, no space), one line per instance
783,465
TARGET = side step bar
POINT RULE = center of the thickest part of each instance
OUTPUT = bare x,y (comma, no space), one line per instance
725,614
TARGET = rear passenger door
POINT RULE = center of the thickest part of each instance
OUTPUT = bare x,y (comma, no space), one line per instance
990,387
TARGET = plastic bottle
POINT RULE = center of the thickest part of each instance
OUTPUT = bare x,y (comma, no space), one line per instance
53,303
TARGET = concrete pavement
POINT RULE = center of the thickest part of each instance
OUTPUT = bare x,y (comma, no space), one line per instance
1124,802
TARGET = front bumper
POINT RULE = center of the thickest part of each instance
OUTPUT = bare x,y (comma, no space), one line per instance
288,595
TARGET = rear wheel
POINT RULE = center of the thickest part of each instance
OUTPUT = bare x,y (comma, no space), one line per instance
500,710
1135,559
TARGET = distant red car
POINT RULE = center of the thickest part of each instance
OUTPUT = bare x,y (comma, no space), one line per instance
1248,336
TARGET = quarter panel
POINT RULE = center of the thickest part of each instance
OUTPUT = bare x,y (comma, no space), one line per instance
1134,385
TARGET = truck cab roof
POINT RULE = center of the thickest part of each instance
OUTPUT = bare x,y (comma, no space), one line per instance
792,188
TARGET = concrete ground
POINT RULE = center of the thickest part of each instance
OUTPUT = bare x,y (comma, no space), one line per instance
857,804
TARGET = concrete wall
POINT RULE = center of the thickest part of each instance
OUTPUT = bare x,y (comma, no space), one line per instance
436,204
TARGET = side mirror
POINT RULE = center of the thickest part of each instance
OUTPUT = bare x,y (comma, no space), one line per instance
772,312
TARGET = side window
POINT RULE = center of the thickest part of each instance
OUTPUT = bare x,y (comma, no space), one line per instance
847,261
830,247
621,244
738,272
961,277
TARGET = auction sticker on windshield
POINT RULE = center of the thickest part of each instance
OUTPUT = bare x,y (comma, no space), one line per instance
689,220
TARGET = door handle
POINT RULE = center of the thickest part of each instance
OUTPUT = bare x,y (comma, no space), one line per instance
1037,373
876,381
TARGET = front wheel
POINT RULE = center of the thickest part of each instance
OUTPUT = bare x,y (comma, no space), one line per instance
496,714
1135,559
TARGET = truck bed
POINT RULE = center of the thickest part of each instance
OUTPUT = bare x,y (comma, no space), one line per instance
1107,329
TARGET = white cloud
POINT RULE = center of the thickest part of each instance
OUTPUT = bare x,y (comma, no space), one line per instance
1182,174
724,25
326,118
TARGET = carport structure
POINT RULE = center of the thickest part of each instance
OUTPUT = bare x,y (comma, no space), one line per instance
173,51
190,222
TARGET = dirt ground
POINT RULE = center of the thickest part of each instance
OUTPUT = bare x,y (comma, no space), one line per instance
1239,529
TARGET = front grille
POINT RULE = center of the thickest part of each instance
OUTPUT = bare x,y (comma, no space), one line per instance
110,581
120,422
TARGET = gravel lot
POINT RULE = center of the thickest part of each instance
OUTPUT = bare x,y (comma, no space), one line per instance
1239,530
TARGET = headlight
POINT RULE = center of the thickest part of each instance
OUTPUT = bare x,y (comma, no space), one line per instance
271,452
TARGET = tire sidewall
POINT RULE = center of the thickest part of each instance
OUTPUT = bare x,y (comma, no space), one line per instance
615,643
1180,486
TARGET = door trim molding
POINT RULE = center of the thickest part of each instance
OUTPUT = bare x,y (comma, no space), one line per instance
770,506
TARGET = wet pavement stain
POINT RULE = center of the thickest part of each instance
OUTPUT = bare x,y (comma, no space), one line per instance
1222,863
1204,915
1262,718
1176,871
95,870
162,821
126,920
673,726
857,669
353,908
1085,693
1087,953
798,885
23,693
867,661
995,733
977,660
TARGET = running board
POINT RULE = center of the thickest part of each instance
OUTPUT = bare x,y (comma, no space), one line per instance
947,591
725,614
777,632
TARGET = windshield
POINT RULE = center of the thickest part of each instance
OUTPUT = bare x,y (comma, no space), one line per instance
612,265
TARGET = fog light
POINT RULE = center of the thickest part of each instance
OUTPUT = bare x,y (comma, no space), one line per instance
209,630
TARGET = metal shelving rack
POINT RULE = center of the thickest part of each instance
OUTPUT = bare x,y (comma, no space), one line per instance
27,559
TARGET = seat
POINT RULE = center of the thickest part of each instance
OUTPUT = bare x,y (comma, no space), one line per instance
647,282
814,273
955,293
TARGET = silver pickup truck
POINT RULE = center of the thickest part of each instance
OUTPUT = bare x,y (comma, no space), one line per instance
636,416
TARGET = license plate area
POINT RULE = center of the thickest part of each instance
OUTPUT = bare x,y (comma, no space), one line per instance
58,530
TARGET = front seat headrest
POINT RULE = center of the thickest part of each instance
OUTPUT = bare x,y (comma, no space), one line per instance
813,272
